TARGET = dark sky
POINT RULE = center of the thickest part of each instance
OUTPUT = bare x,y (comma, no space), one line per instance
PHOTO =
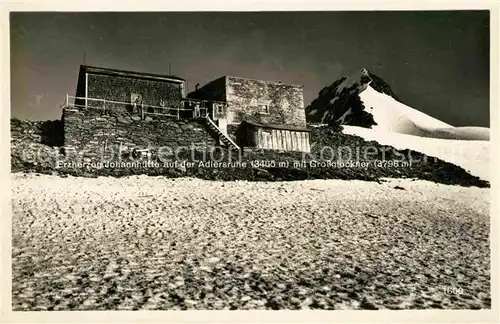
436,62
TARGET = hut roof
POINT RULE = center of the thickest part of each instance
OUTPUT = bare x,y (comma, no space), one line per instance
142,75
276,126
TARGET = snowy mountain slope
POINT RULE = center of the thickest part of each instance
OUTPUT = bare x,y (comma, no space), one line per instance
391,115
394,116
473,156
365,100
367,107
463,133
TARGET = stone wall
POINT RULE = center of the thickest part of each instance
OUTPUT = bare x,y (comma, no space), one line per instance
34,143
119,88
245,97
29,155
92,134
46,132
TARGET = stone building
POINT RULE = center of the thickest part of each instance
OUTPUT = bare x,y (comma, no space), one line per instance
118,87
262,114
129,110
125,107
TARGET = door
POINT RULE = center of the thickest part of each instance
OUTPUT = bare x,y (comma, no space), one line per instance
219,116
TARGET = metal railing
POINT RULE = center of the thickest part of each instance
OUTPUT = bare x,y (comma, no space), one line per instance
103,104
199,108
225,135
202,108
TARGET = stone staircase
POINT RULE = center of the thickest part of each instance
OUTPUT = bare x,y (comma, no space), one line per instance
223,137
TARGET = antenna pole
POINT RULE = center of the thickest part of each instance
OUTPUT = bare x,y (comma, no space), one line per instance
84,59
169,68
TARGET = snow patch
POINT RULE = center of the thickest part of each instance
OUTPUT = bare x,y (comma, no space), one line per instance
394,116
471,155
342,118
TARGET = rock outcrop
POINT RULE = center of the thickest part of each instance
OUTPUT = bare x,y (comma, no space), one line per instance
340,104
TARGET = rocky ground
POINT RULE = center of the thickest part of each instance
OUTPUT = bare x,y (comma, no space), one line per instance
156,243
31,152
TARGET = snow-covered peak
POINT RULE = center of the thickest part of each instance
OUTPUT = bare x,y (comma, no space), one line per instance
358,81
365,100
340,102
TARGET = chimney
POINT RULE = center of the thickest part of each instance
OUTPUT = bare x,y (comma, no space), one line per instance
196,87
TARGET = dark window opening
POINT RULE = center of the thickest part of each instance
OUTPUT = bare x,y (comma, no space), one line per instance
264,109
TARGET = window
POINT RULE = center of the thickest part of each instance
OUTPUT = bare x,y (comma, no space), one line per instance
264,109
135,98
